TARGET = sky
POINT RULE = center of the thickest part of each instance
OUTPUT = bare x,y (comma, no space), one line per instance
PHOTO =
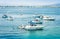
27,2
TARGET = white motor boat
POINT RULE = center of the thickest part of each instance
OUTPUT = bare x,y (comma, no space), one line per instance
46,18
29,27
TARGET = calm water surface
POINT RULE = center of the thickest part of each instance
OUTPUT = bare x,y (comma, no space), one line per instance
10,30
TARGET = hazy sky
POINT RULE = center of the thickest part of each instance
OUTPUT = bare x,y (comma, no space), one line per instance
28,2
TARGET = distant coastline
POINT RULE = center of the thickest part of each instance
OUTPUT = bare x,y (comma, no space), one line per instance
34,6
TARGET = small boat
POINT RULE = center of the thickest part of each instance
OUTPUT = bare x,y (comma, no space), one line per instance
6,17
48,19
29,27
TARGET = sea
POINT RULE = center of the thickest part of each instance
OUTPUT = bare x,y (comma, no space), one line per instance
22,16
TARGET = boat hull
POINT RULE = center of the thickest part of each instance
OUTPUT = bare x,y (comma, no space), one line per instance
49,19
32,27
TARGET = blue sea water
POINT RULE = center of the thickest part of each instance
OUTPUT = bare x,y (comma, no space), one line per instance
22,15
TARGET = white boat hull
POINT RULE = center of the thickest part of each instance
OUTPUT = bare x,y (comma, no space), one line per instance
48,19
28,27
